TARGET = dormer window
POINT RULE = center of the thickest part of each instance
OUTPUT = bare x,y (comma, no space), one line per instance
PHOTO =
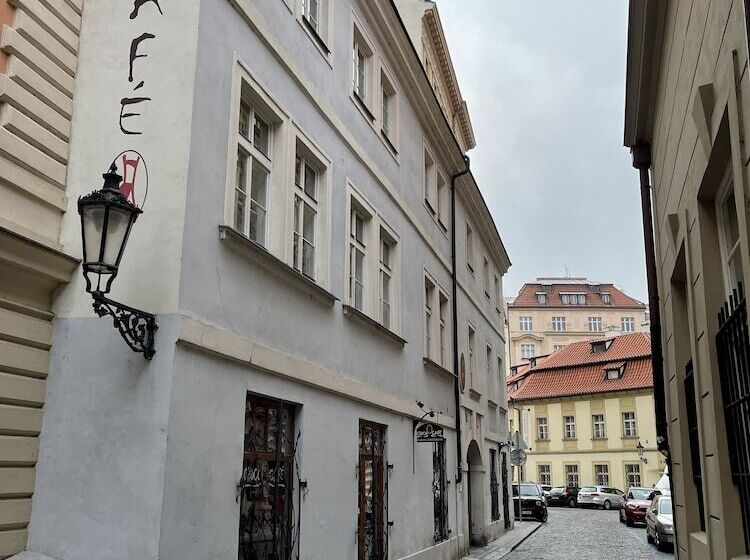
541,298
573,299
612,373
606,298
599,346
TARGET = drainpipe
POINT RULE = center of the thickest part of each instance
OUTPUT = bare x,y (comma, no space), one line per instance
642,162
454,284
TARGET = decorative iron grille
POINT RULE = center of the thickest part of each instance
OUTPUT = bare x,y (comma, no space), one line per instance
733,350
495,498
372,526
439,495
267,530
506,494
693,439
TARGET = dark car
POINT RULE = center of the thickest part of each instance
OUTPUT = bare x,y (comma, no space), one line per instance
563,496
633,509
530,503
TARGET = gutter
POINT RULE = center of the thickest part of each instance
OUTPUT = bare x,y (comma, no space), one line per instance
454,286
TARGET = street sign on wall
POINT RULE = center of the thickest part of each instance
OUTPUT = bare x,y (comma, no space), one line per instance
430,433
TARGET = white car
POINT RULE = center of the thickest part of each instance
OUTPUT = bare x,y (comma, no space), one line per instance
600,496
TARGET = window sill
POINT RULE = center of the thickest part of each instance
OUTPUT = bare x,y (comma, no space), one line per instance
475,395
542,440
273,264
599,438
365,320
629,437
492,403
436,367
389,144
364,109
471,268
317,40
570,439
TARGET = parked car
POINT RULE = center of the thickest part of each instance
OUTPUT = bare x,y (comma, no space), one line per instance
563,496
530,503
600,496
633,509
545,489
659,523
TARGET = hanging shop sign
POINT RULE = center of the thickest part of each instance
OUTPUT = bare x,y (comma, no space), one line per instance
430,433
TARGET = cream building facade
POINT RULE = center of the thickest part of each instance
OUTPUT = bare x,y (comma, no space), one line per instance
686,123
550,313
582,428
38,60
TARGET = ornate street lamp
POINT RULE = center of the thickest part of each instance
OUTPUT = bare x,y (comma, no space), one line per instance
106,220
640,449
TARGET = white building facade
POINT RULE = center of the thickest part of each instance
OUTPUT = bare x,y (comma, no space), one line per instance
296,246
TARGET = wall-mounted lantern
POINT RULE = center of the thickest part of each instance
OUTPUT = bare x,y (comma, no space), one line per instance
640,449
106,220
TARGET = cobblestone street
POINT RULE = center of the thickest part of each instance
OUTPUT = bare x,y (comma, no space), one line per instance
584,534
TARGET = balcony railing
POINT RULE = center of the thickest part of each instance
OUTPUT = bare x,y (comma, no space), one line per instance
733,349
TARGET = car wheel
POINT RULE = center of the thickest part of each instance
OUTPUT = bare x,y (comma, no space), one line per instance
628,522
622,517
649,538
607,505
657,541
572,502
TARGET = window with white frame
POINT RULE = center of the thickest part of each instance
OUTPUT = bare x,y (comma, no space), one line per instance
729,234
387,265
569,422
429,298
558,324
556,347
627,324
443,334
498,293
253,169
598,422
442,202
488,362
500,374
362,68
545,475
528,351
542,428
633,475
606,298
595,324
388,109
360,222
541,298
571,475
601,475
525,323
628,424
573,299
472,356
306,196
430,183
315,16
469,247
486,276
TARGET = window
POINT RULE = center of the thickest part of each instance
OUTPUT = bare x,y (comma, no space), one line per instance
558,323
729,234
494,486
542,429
254,168
556,347
387,258
442,202
606,298
526,323
311,12
528,351
362,63
541,298
357,254
443,303
595,324
388,109
429,296
571,475
628,424
486,277
305,216
570,427
545,475
371,525
599,432
573,299
601,473
633,475
439,493
615,373
489,381
469,247
498,293
430,182
599,346
472,356
627,324
266,520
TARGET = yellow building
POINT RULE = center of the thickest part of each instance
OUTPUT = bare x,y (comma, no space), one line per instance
584,409
552,312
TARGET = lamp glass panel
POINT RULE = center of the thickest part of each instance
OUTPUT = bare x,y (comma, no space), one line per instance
117,230
93,222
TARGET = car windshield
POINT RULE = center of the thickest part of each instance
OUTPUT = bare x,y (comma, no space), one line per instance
665,506
558,490
526,490
640,493
589,489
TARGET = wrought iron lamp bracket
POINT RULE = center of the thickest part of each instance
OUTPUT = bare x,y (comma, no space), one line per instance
136,327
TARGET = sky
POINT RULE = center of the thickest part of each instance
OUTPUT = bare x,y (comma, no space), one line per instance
545,84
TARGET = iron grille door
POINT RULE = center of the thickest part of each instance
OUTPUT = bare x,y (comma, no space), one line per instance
266,529
733,352
371,527
694,440
506,496
494,486
439,497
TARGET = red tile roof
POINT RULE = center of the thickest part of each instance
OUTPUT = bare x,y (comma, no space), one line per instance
575,370
527,296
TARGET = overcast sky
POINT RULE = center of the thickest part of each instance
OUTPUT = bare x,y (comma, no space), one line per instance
545,82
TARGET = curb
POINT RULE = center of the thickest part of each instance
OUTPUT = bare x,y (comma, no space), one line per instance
519,543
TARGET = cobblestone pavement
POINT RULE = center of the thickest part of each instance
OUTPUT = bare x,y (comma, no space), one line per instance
585,534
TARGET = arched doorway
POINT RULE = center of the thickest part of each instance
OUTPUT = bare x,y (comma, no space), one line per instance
475,495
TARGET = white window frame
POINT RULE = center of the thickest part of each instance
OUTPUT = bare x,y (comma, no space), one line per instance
599,428
633,475
542,428
569,427
486,276
471,346
363,95
629,425
595,324
606,297
572,470
558,324
357,205
601,474
389,105
545,474
318,29
498,294
389,270
490,388
430,288
528,350
541,298
469,247
728,254
627,324
305,201
443,329
556,347
526,323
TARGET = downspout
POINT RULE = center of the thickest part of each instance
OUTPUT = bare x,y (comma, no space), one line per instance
642,162
454,285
